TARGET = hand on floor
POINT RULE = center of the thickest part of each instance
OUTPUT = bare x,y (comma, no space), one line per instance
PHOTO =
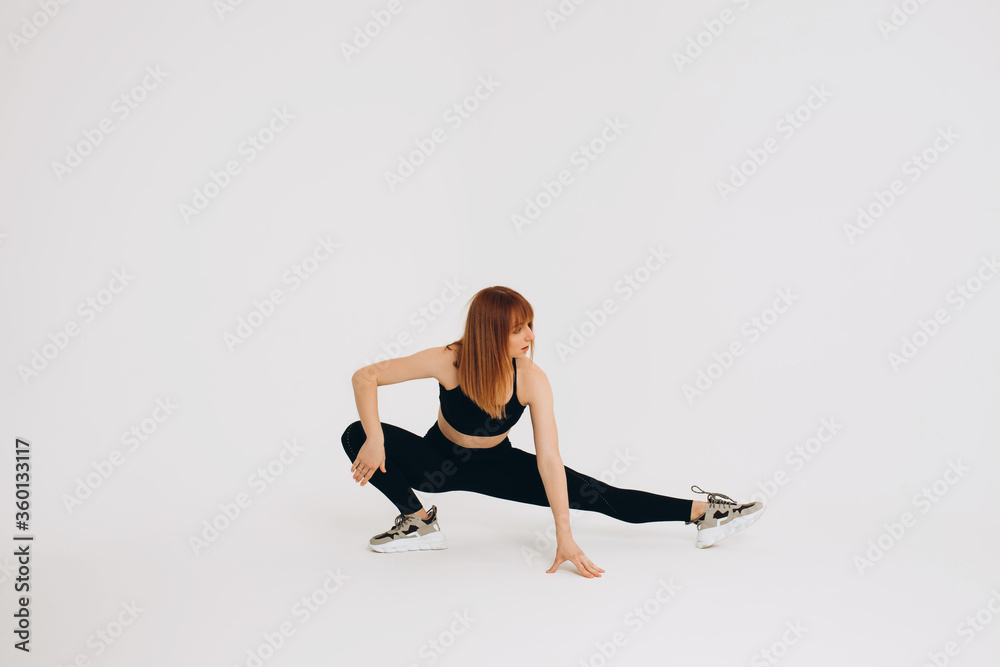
567,550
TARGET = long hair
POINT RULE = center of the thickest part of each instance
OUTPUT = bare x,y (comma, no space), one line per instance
483,363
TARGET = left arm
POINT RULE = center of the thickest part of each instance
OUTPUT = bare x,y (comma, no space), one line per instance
553,473
550,465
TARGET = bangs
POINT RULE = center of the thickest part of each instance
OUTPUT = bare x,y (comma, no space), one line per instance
520,315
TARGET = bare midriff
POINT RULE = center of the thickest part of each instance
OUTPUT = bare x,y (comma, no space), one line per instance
470,441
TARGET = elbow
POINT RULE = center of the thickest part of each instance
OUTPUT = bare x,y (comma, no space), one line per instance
362,376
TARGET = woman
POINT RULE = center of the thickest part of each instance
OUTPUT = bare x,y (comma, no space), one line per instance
467,448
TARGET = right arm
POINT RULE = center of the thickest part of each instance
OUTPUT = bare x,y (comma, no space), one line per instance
366,381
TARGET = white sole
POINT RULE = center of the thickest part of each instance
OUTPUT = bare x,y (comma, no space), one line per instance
435,540
710,536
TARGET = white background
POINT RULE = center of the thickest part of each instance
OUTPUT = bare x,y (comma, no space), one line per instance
620,393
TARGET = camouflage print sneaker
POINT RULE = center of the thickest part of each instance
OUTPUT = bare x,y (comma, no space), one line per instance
723,517
411,533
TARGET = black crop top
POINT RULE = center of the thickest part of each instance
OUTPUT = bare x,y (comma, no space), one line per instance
469,419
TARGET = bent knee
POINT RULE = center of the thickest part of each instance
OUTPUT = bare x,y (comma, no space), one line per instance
352,438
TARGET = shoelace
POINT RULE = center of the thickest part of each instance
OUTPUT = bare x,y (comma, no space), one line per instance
398,522
401,519
715,498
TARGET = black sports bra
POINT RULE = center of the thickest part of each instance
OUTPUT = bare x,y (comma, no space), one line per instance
469,419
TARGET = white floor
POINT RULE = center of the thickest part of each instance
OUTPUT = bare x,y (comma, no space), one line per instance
788,584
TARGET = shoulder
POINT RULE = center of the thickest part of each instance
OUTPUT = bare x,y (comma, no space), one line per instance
445,358
532,382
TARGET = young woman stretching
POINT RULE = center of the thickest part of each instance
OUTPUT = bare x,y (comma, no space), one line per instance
467,448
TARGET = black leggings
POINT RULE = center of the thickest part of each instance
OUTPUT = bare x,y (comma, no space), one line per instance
434,464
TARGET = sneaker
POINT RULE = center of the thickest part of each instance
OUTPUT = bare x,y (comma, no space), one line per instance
723,517
411,533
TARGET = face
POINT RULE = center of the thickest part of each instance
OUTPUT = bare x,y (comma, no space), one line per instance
520,339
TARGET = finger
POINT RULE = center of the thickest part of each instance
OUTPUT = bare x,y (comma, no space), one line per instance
582,566
592,566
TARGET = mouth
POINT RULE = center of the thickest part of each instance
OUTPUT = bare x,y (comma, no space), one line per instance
525,348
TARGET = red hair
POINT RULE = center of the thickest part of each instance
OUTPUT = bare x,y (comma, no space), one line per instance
483,363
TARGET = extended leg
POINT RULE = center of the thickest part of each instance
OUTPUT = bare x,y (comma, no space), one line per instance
516,477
